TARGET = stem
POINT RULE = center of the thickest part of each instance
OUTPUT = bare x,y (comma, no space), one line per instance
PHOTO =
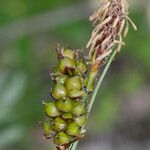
74,145
90,81
100,81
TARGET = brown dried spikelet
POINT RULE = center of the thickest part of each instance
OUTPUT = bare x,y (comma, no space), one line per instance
111,24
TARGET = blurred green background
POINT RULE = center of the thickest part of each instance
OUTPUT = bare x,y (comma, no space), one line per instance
29,32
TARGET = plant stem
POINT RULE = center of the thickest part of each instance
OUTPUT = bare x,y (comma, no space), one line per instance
90,81
100,81
74,145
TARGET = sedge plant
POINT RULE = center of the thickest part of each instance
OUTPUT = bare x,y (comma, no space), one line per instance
74,76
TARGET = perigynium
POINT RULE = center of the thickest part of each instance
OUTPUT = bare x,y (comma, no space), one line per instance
74,90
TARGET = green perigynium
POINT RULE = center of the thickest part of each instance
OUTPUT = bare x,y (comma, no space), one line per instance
61,138
61,78
73,129
67,66
74,94
51,109
48,129
80,120
59,91
65,105
79,108
73,83
67,113
67,116
59,124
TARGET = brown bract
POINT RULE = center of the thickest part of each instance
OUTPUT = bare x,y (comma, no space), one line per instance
111,24
63,147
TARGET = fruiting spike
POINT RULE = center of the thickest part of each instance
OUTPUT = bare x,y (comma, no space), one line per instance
66,114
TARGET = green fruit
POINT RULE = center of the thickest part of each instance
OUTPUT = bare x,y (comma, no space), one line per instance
48,130
59,91
80,120
75,94
69,53
59,124
64,105
81,67
61,138
51,110
78,109
73,83
73,129
67,116
61,78
67,66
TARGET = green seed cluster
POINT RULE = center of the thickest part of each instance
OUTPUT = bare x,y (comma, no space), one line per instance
67,113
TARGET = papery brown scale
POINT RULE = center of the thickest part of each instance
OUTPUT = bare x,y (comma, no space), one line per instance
108,20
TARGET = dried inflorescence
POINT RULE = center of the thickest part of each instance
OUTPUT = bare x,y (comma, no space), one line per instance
111,23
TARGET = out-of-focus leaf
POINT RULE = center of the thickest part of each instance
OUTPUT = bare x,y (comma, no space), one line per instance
106,110
132,81
11,135
77,33
11,94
